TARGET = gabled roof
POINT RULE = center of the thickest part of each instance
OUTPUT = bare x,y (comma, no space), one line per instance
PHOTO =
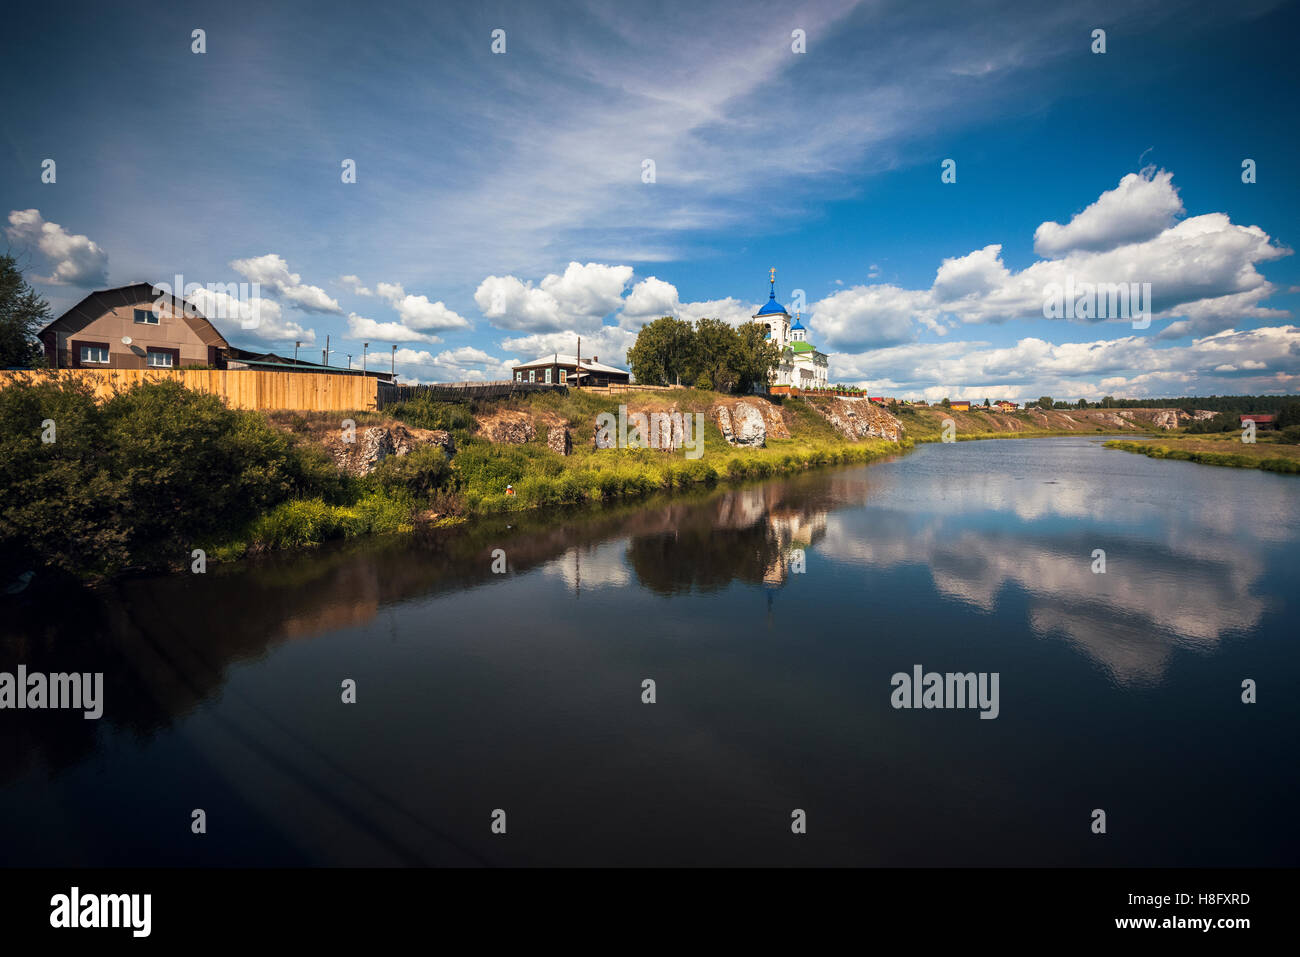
563,359
104,300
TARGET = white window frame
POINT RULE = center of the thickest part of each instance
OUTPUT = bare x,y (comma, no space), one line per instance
548,375
532,375
150,317
150,353
85,355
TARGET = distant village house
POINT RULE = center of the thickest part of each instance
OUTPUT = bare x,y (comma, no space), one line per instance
561,369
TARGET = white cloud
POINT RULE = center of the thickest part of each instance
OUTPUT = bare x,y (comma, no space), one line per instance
258,318
356,285
1203,268
1141,207
78,261
465,364
578,299
359,327
609,344
418,313
1257,360
653,298
272,271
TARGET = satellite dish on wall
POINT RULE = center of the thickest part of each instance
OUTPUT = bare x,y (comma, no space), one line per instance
126,340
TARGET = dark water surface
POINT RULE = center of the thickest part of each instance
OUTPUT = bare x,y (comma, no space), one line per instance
475,691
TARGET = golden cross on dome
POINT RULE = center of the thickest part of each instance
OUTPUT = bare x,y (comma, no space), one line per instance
773,271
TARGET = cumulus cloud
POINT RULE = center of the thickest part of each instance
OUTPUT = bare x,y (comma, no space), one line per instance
1142,206
578,299
465,364
417,313
1202,269
608,343
653,298
359,327
78,260
255,317
273,272
1255,360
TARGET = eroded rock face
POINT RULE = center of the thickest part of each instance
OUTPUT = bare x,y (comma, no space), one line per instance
559,440
511,431
742,425
1165,419
860,419
377,443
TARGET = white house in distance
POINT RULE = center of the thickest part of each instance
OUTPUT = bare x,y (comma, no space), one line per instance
802,364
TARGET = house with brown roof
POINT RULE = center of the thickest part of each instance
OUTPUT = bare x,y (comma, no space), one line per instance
131,327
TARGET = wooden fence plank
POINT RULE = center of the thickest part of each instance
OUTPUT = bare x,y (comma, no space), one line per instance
241,388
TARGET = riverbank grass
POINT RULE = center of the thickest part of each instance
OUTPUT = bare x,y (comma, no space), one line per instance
1228,452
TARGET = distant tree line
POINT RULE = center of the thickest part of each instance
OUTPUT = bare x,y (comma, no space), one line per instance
709,354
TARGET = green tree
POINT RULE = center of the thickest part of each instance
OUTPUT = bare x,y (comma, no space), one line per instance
986,402
1045,402
945,403
715,355
1082,404
755,358
664,350
23,312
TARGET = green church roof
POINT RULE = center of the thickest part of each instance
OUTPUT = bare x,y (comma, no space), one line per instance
803,347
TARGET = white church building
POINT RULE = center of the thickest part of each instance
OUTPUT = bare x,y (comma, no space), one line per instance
802,365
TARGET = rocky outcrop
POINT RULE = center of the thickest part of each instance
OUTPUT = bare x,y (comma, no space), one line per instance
559,440
1166,419
378,442
742,425
859,418
513,430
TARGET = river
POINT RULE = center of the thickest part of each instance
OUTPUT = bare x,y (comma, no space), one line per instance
770,618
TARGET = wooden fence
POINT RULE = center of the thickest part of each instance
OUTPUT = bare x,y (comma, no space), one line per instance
241,388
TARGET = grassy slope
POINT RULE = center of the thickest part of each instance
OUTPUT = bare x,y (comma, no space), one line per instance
926,424
1225,449
542,478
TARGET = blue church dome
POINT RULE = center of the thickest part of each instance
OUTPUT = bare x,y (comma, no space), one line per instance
773,308
797,325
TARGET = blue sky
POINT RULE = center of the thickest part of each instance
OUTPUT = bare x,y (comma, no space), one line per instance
499,209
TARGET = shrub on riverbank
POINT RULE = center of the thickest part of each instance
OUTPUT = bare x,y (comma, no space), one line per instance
140,479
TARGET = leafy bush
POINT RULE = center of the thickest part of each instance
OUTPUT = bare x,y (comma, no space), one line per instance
419,473
141,479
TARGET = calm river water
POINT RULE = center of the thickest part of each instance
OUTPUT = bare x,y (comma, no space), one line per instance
771,619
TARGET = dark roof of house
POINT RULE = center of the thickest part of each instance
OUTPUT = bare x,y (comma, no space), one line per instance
104,300
270,359
1257,416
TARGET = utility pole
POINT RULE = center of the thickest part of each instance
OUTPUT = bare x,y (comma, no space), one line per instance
364,347
326,350
393,369
577,371
296,345
349,360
